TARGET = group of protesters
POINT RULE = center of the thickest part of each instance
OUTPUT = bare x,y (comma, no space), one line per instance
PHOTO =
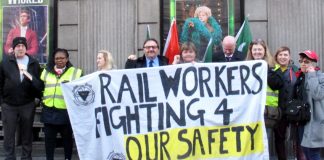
22,81
285,82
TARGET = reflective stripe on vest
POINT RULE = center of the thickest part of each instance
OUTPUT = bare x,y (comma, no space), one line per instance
52,96
272,97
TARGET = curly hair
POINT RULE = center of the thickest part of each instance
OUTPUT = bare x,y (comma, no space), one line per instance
203,9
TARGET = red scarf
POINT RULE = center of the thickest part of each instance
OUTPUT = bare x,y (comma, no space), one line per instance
299,72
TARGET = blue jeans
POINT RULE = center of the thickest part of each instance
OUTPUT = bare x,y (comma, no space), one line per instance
270,143
310,153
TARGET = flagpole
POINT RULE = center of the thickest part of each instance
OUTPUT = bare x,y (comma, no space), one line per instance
240,30
172,10
148,32
231,17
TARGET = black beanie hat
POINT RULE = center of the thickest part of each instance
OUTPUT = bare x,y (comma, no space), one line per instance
19,40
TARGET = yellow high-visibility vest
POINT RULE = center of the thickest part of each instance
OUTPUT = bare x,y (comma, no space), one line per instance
52,95
272,96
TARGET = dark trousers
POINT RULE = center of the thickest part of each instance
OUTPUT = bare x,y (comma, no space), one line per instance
298,148
280,139
51,131
18,116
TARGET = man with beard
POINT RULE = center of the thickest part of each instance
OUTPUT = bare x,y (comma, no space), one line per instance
150,57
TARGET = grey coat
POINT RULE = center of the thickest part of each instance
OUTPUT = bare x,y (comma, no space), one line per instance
314,130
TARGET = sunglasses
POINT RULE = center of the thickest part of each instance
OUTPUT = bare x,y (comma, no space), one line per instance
305,61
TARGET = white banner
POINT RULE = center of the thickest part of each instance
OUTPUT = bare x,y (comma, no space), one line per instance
187,111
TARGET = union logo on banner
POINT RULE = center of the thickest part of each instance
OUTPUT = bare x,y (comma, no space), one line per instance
83,94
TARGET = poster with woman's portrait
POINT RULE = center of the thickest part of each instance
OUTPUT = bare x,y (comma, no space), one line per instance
26,20
200,21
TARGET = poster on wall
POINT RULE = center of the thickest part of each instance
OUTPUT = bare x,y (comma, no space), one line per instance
29,19
202,22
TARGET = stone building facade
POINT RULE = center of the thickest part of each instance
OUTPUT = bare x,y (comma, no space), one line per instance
86,26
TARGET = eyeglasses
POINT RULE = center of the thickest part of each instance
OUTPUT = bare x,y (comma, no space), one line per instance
257,49
59,58
304,61
148,47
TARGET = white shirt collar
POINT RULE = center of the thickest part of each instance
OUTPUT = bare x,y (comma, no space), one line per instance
23,30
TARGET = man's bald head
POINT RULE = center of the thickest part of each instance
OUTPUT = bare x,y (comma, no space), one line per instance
229,45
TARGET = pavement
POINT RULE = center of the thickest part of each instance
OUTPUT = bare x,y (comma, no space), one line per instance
39,152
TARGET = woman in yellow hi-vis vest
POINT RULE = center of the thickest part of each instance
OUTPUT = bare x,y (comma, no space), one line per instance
54,115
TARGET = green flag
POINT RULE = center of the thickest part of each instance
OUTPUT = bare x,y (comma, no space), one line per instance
148,32
244,37
209,52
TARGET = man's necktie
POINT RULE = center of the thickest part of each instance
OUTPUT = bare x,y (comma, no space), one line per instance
228,59
151,63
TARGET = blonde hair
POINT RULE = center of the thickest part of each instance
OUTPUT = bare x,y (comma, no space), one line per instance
267,55
203,9
109,60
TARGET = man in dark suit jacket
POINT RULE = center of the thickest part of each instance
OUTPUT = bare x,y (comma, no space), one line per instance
229,52
150,57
